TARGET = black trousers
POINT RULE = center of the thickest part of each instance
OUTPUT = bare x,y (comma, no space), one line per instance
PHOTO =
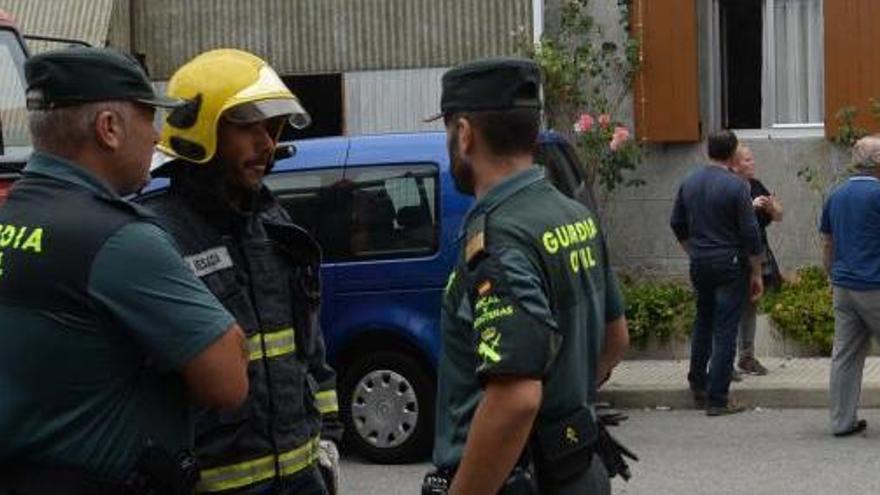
594,481
40,480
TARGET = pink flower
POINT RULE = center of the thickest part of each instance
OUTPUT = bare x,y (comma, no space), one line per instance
604,120
584,123
621,135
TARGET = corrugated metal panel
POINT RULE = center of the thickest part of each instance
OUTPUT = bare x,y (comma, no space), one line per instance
119,34
315,36
87,20
391,101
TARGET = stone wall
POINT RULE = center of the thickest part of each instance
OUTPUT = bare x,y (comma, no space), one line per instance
637,219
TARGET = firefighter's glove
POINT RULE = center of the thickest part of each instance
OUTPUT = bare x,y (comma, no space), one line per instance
328,462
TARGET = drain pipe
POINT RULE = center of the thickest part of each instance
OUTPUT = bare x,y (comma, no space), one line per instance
537,20
537,32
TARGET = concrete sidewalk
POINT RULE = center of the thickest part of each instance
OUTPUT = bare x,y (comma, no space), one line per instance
791,383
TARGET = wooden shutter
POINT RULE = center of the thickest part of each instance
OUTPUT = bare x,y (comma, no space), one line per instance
852,60
667,97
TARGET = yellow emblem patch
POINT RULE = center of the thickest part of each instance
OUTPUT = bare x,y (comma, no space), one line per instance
571,434
484,287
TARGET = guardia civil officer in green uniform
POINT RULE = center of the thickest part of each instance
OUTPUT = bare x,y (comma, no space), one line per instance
532,315
106,336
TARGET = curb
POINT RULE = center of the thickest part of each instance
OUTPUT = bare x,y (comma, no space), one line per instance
679,397
795,383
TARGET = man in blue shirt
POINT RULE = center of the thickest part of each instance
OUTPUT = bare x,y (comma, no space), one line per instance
106,336
715,223
850,229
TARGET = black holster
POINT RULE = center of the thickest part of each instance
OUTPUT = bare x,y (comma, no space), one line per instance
160,473
612,454
563,450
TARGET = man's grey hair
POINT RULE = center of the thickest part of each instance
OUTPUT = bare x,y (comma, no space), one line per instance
66,129
866,152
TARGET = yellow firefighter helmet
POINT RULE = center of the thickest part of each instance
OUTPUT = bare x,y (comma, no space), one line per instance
234,84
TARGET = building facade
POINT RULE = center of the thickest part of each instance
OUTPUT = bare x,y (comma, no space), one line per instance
360,66
776,71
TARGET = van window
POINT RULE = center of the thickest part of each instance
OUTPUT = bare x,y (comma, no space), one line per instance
372,213
308,196
393,211
13,114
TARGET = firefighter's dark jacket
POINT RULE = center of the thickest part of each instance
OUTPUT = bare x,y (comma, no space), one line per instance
264,269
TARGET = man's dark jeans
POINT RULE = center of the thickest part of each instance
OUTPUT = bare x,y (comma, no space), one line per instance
721,285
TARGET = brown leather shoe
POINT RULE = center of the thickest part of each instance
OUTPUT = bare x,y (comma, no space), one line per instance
752,366
730,408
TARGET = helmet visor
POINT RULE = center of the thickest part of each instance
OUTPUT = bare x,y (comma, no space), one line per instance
256,111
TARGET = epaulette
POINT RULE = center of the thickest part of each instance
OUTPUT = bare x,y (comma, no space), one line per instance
475,247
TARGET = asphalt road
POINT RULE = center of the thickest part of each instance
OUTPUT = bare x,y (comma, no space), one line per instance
684,452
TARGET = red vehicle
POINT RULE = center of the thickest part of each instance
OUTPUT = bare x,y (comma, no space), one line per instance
15,142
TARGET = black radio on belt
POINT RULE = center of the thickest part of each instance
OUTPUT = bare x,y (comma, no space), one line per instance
159,472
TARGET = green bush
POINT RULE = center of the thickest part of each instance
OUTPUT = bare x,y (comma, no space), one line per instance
802,309
657,311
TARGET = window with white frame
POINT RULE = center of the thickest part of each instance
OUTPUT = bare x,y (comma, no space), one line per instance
764,63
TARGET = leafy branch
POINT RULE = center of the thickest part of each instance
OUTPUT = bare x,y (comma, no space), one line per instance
586,73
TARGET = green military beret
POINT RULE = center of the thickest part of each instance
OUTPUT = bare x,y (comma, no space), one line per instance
73,76
491,84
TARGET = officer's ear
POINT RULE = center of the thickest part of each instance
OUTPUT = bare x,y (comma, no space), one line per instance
465,136
109,129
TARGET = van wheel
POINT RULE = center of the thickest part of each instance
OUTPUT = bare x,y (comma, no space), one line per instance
388,408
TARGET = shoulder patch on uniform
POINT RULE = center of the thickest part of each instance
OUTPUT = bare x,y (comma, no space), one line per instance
476,239
210,261
475,246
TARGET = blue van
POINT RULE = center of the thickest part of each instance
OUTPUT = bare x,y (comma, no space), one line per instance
387,215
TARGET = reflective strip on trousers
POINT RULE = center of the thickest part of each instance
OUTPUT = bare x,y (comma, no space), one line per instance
278,343
258,470
326,401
